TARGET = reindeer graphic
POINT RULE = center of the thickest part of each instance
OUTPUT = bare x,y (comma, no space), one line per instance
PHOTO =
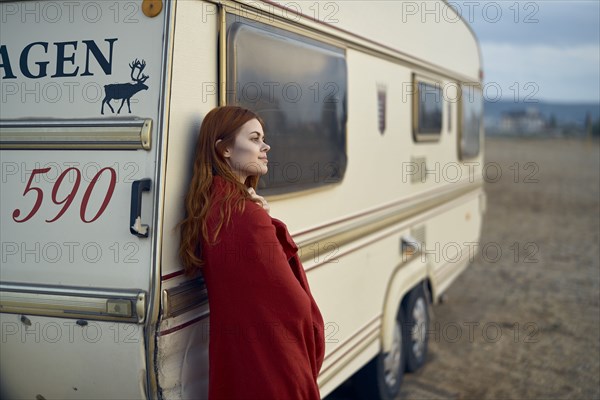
125,91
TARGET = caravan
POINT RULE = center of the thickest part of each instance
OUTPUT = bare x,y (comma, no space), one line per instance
373,111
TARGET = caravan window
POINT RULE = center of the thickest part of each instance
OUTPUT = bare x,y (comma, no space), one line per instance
298,87
427,115
470,121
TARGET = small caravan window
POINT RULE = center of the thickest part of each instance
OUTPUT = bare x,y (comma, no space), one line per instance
298,87
470,121
427,115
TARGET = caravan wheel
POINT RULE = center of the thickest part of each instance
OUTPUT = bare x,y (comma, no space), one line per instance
415,329
382,376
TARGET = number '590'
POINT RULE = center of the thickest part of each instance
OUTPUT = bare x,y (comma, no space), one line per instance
68,199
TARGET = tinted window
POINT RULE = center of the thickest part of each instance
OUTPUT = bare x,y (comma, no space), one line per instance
471,119
428,111
298,87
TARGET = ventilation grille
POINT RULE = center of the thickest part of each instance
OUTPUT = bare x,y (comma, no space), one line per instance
418,170
381,106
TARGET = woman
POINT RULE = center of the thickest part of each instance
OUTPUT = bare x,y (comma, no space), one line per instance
266,332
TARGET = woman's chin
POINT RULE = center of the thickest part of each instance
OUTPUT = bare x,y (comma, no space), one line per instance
262,170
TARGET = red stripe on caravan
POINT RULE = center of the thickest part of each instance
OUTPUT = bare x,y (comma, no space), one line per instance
172,275
184,325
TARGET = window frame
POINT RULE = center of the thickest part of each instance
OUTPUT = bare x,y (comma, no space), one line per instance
462,154
420,136
230,64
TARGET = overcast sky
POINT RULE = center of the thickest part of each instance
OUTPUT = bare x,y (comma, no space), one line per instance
546,50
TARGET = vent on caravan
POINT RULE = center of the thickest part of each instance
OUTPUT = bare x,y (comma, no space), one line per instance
419,173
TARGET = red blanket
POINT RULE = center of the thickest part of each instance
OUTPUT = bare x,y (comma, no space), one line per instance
266,331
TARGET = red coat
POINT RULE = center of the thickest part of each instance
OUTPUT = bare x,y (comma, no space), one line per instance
266,331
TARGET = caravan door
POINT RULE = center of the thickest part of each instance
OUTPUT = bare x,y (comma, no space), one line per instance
82,98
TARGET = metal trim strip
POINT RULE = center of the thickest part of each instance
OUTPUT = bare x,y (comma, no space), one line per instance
182,298
132,134
73,302
162,123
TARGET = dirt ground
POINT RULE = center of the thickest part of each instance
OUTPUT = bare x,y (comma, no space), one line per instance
523,322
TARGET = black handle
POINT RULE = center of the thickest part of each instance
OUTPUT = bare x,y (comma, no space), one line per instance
135,217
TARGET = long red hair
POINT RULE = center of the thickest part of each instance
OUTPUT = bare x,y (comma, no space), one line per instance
221,123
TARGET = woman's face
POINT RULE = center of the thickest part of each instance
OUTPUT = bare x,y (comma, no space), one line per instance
248,155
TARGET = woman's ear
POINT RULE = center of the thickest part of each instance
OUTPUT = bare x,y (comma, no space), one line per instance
226,151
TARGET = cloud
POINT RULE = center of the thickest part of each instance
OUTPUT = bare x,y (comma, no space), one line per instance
542,71
562,23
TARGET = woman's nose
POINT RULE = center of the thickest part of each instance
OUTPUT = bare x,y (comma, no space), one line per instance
266,147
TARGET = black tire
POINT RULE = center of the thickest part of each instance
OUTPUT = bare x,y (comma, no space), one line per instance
416,327
382,376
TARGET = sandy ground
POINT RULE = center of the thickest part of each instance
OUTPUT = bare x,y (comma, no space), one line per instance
523,322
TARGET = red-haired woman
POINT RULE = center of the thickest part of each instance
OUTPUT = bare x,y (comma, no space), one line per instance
266,331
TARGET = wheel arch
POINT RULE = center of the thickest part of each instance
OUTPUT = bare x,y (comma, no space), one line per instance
406,276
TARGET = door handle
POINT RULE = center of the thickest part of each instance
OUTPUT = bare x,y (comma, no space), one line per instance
135,217
409,245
